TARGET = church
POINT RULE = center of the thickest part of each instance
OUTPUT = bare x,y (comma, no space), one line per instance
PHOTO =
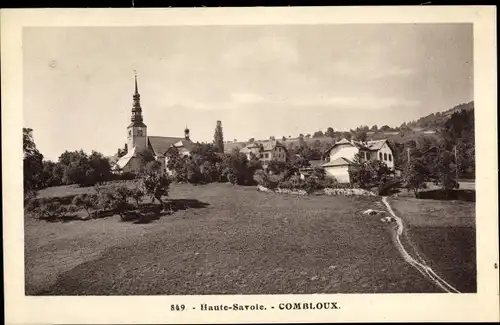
138,140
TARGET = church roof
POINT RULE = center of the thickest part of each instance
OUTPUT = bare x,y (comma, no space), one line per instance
123,161
161,144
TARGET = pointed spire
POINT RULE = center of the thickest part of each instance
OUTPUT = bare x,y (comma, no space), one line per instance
135,75
136,118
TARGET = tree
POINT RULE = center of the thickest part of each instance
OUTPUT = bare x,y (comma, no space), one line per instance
251,140
361,136
347,136
374,128
445,171
458,134
32,165
318,134
154,182
283,138
330,132
79,168
177,165
122,152
89,202
415,176
219,138
385,128
52,173
366,174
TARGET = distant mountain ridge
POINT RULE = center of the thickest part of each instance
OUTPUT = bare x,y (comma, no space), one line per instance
435,121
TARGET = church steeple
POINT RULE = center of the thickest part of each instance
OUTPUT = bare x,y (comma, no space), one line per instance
137,130
136,118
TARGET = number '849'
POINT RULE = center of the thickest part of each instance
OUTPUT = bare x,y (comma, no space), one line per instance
177,307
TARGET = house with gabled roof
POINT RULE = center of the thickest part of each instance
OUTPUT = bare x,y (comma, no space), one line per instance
138,140
340,156
266,151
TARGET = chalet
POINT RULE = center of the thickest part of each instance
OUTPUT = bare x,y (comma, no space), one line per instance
266,151
341,155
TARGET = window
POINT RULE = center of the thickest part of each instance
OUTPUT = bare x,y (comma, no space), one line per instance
261,155
139,133
266,155
380,155
129,132
385,156
390,157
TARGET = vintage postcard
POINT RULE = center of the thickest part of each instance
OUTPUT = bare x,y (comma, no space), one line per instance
250,165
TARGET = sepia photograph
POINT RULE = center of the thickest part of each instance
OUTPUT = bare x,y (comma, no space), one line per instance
294,162
249,159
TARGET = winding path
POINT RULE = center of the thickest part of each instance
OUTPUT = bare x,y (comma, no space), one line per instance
418,263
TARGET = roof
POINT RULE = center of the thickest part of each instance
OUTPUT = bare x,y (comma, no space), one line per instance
267,145
315,163
338,143
230,146
161,144
373,145
338,162
123,161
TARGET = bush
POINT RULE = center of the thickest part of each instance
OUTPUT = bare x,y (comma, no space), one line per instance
46,209
154,182
89,202
293,182
127,176
268,181
115,199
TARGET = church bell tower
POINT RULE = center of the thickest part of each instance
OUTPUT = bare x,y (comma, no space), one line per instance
137,130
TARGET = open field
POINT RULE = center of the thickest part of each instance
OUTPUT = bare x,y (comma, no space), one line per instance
443,233
225,240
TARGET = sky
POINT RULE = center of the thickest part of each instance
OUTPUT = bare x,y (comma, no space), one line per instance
260,81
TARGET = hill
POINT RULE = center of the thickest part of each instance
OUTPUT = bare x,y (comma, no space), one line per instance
435,121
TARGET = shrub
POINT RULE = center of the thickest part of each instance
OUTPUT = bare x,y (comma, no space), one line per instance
46,209
268,181
154,182
293,182
127,176
115,198
89,202
138,195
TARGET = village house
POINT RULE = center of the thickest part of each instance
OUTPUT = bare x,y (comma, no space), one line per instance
266,151
138,140
341,155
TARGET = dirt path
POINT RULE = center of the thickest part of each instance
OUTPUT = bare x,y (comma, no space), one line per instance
417,263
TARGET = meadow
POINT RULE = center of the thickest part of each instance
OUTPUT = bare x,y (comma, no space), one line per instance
229,239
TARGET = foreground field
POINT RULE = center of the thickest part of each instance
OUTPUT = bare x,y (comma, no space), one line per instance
443,233
226,240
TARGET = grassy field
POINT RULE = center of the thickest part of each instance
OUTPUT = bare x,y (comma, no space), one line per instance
223,240
443,233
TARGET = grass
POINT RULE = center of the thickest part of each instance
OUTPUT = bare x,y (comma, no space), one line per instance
235,240
443,232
